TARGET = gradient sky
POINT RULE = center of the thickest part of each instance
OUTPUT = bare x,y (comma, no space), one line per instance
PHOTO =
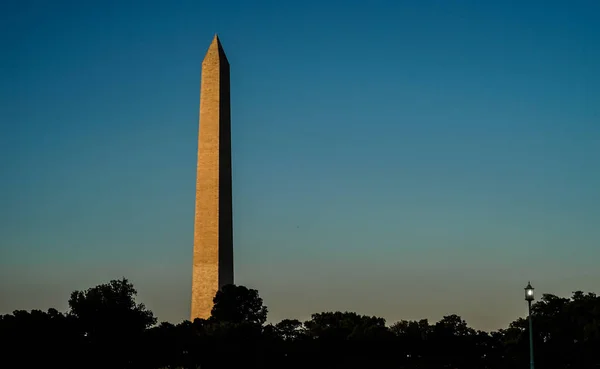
405,159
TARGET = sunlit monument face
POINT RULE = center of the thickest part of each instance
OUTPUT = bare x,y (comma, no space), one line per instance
213,227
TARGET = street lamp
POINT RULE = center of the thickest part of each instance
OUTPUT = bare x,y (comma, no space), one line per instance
529,298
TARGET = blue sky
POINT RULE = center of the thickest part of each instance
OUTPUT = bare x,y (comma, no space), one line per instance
406,159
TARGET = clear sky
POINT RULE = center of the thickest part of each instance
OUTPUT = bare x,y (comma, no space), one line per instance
405,159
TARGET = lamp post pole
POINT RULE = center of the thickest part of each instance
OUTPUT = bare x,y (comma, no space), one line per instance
529,297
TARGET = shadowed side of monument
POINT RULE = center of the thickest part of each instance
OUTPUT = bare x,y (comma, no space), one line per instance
213,225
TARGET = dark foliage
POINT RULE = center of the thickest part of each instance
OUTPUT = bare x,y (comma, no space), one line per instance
237,304
106,328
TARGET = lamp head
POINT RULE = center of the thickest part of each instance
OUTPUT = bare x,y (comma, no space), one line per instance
529,292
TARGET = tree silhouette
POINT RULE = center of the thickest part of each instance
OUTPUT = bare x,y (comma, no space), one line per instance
38,338
109,320
106,328
238,304
290,329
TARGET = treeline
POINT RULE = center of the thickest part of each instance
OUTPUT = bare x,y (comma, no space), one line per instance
106,328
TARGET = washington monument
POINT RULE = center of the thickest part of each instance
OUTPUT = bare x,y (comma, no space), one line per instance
213,225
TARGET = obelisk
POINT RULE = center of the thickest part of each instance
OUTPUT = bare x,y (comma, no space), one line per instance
213,225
